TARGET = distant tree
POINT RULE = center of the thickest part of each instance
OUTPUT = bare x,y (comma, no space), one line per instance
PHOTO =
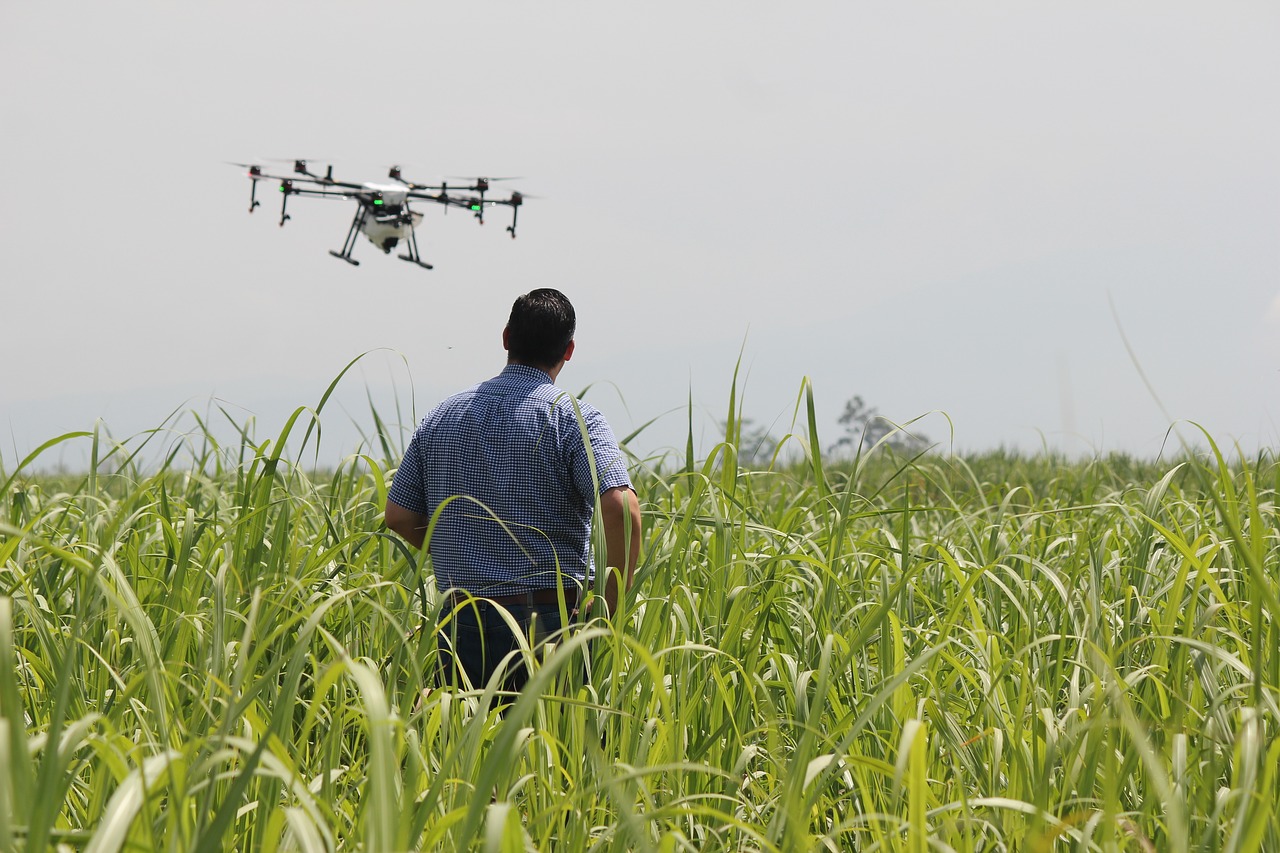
864,428
756,445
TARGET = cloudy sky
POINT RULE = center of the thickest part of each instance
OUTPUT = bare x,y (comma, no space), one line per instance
961,211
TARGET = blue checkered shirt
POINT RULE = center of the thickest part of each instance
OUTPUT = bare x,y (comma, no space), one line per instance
512,448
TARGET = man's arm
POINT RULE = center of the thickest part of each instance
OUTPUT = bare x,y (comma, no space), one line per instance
620,513
412,526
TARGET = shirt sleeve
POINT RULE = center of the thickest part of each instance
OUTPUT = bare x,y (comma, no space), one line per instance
407,489
610,463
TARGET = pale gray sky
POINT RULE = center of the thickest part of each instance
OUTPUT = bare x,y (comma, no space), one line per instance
933,205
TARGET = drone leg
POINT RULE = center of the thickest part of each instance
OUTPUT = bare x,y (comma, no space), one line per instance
346,258
350,243
253,192
412,255
511,229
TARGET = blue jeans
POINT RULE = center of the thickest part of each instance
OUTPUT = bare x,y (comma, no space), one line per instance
477,638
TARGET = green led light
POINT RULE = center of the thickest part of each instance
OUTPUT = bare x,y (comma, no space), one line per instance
377,201
475,207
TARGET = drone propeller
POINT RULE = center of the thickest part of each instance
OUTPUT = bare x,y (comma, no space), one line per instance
396,174
300,165
481,184
255,171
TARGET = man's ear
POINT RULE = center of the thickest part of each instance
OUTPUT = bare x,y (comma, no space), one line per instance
568,351
506,338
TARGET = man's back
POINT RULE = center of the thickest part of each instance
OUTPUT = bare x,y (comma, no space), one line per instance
510,448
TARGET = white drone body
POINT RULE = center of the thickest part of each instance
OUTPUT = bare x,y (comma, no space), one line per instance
386,230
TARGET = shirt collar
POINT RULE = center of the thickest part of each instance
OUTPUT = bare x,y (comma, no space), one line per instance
524,371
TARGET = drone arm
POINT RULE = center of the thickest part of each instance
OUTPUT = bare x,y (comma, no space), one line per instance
445,199
314,192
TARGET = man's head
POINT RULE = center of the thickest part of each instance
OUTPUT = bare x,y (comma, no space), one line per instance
540,330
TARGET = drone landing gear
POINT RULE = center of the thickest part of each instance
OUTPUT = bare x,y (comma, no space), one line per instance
412,255
350,242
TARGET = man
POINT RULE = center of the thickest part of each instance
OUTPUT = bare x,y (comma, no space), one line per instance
506,464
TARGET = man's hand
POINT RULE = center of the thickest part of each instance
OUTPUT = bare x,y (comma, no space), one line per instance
412,526
620,513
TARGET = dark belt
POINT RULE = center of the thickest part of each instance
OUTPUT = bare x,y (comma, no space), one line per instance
533,596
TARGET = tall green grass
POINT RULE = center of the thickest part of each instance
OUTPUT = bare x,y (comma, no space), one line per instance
995,652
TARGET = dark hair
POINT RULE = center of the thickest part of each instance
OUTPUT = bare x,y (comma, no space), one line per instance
540,328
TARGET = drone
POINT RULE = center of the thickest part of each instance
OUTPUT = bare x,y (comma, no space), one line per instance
382,210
